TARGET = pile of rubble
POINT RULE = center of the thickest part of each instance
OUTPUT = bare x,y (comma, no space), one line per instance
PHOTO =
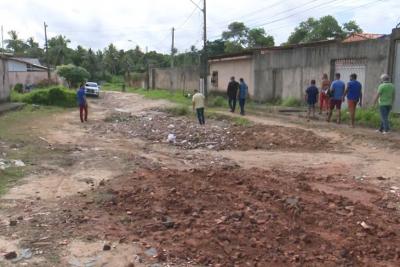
217,134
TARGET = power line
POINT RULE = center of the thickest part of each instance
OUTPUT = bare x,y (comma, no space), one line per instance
288,16
253,12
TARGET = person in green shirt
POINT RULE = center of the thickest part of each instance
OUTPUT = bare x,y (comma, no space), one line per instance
385,97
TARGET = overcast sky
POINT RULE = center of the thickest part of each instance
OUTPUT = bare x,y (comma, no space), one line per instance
148,23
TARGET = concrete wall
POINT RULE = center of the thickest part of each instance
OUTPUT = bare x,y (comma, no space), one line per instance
186,78
286,72
31,77
4,82
239,67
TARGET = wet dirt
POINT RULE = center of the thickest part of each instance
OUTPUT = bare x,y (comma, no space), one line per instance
217,199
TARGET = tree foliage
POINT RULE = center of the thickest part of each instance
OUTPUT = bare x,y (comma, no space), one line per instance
325,28
239,37
73,74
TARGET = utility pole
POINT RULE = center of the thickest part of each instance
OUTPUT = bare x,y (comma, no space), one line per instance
47,51
205,56
2,40
173,47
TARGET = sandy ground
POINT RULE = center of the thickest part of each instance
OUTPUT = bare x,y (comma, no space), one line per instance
66,218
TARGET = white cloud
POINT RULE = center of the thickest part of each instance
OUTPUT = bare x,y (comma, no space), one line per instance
148,23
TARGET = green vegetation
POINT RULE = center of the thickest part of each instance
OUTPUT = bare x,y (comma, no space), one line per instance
56,96
291,102
370,117
18,88
179,110
9,176
16,128
73,75
218,101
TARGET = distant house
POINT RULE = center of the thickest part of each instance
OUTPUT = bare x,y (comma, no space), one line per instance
27,71
4,81
357,37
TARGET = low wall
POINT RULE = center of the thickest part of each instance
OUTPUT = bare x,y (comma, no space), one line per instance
186,78
287,71
31,77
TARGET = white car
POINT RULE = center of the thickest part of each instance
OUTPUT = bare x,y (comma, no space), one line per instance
92,88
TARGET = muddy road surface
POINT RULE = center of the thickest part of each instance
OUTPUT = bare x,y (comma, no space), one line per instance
273,192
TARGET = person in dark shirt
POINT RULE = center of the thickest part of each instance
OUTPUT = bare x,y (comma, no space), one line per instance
83,106
232,91
311,98
354,96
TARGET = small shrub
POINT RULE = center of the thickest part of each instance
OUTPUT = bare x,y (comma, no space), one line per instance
178,110
218,101
55,96
291,102
19,88
45,83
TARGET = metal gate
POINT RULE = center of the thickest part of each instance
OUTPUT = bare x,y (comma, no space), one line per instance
346,67
396,77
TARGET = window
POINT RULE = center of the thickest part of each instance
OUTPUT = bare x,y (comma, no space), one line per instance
214,79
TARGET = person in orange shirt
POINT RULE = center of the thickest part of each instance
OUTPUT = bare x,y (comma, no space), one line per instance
323,96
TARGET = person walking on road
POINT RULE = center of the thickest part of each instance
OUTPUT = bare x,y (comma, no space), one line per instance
242,95
232,91
198,105
354,96
336,93
385,97
323,96
82,102
312,99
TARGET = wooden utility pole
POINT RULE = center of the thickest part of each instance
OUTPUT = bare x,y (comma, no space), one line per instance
205,54
47,52
173,47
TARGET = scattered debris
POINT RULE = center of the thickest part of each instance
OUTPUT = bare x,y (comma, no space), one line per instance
151,252
10,255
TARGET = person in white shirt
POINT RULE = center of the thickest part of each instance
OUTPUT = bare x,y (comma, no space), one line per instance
198,105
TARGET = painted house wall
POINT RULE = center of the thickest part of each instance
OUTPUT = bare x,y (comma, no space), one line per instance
4,82
239,67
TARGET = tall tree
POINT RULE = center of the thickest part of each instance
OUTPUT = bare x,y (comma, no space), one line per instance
216,47
78,55
33,50
325,28
16,45
236,33
111,59
257,37
59,52
351,27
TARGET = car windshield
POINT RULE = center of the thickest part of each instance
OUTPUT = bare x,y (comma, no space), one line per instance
91,84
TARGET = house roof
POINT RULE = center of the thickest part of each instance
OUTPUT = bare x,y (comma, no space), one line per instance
32,61
356,37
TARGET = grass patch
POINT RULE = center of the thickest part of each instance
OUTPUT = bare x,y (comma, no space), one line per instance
217,101
291,102
370,117
55,96
179,110
17,125
9,177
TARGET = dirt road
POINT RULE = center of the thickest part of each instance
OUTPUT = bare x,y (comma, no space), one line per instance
277,192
